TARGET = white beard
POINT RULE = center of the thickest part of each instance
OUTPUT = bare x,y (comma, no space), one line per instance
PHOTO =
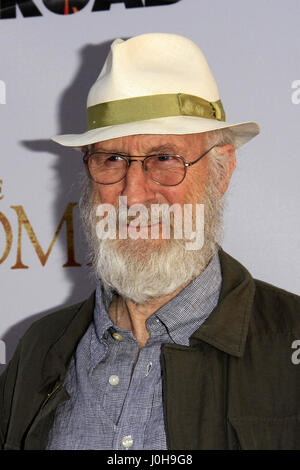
140,270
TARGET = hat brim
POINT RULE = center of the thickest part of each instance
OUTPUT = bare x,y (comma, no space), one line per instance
179,125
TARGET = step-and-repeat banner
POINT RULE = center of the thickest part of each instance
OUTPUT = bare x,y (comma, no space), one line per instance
50,54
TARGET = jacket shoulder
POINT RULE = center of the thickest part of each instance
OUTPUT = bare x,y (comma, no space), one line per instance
52,324
46,331
278,309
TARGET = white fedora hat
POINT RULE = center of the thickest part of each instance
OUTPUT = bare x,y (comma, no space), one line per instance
156,83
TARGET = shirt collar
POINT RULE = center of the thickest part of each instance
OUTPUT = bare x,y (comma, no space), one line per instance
185,312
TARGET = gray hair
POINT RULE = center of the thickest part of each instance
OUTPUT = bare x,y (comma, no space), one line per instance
221,136
218,160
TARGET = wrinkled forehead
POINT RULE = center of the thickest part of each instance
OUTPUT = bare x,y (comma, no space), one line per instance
148,143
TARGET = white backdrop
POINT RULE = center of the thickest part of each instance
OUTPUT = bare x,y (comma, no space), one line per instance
47,65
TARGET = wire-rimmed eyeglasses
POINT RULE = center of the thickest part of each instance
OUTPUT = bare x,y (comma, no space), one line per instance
164,169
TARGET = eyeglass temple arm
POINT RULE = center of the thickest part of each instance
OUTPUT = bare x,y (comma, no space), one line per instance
201,156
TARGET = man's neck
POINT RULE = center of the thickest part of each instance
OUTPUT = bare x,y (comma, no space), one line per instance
131,316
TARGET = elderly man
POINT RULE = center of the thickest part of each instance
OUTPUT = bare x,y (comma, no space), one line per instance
178,348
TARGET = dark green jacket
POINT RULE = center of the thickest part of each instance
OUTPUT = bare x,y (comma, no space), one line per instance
234,387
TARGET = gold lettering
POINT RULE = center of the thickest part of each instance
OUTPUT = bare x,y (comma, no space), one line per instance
8,234
43,257
1,195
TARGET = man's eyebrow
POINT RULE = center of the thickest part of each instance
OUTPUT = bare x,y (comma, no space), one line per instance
163,148
158,148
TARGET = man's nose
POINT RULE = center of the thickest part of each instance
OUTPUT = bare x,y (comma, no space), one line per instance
137,186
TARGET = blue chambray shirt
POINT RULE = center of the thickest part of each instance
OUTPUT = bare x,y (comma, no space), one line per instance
109,407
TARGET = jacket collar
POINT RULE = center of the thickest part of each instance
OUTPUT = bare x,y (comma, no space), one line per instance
60,352
226,328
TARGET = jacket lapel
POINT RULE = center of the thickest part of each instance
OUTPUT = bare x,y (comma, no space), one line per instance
227,326
195,377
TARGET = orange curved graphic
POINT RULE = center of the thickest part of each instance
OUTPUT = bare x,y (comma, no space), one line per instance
66,12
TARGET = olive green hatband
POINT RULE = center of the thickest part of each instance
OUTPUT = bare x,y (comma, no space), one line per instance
151,107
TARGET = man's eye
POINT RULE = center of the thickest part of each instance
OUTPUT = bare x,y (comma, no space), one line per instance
115,158
163,158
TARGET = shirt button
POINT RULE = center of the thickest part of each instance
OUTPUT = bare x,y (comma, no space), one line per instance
117,336
114,380
127,442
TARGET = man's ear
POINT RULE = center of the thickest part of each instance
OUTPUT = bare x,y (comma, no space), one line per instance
229,164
